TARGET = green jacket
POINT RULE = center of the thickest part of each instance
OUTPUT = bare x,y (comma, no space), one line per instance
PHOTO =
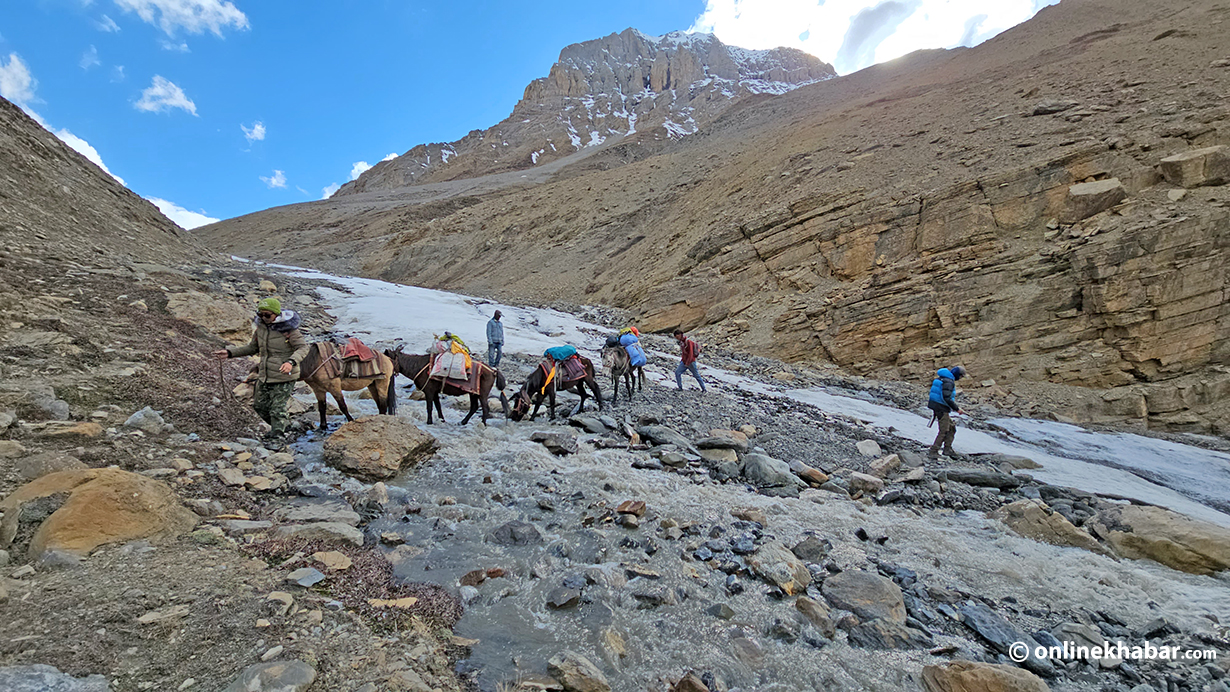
279,344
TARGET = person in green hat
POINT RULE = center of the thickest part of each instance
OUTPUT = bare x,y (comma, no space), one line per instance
281,347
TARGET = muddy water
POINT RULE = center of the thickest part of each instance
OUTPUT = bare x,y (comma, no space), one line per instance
485,477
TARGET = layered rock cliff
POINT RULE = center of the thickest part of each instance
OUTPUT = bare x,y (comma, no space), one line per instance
1006,207
604,90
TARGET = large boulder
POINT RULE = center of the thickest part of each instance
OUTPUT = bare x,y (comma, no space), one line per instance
1208,166
377,447
277,676
774,563
968,676
767,472
45,678
102,506
869,596
1033,519
220,316
577,673
1154,533
1086,199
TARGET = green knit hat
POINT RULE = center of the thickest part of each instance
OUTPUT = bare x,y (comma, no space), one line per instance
269,305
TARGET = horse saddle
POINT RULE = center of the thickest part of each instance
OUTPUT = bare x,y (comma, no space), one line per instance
358,361
354,349
566,371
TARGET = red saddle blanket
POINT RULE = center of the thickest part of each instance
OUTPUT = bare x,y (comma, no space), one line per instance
354,348
566,371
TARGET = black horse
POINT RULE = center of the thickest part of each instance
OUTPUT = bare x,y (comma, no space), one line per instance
536,388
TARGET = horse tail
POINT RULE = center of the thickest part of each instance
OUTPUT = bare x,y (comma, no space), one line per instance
390,397
500,382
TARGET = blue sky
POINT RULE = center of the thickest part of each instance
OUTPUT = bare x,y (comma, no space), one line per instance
217,108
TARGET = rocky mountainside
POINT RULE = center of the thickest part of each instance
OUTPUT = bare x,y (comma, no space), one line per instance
613,88
923,212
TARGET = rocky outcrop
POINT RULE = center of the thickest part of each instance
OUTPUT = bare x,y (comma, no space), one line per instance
1033,519
95,507
867,595
377,447
1154,533
226,318
606,89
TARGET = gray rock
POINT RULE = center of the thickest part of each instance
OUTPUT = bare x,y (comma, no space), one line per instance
834,486
44,678
563,597
515,533
812,549
984,478
305,576
1086,199
765,471
867,595
280,676
329,531
662,435
1051,106
722,443
886,634
309,509
556,442
244,525
148,421
720,610
1001,635
589,425
869,448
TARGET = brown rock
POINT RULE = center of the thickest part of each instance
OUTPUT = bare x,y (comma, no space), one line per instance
577,673
103,506
817,614
747,514
1033,519
1086,199
377,447
333,560
636,507
867,595
1154,533
968,676
39,465
226,318
85,430
865,483
774,563
882,467
1208,166
689,683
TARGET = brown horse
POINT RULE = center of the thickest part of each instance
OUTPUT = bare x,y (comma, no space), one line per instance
536,385
417,367
616,360
314,372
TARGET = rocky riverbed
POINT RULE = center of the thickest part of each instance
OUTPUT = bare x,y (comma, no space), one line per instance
680,540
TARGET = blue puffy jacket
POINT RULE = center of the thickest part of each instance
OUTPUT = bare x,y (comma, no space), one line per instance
942,388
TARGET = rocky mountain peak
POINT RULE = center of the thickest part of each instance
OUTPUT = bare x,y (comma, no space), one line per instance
602,90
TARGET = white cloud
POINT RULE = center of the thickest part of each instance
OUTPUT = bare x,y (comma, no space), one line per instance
117,74
390,157
162,96
85,149
16,82
852,34
358,169
17,85
278,179
193,16
107,24
328,191
186,219
254,134
180,47
90,59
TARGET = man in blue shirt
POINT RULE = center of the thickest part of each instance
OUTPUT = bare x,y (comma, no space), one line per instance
495,340
942,403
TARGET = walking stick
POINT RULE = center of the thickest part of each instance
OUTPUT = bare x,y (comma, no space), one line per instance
226,393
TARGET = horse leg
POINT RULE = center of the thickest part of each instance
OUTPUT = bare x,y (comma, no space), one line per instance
322,405
473,408
593,383
375,392
627,385
340,398
615,386
537,404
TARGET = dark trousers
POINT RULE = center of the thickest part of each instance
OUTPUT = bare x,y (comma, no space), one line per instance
270,404
948,430
494,353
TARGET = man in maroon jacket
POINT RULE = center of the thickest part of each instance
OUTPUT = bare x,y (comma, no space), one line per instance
687,362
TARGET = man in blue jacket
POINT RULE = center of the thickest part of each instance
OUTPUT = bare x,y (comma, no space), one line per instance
942,403
495,340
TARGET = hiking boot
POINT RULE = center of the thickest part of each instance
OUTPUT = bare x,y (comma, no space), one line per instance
953,454
933,454
274,442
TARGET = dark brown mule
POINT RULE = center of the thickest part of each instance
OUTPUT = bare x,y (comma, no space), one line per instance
317,375
537,387
619,363
417,367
